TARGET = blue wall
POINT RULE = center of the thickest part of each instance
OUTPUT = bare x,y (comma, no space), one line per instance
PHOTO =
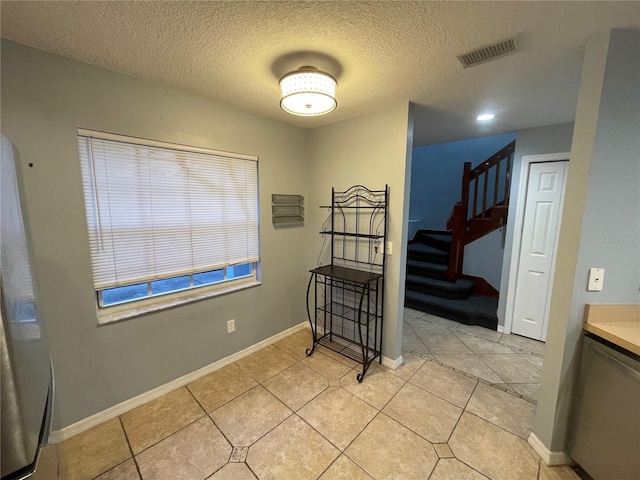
436,175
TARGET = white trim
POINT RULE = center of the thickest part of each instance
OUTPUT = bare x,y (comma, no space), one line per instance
500,329
136,308
548,457
65,433
527,160
82,132
393,364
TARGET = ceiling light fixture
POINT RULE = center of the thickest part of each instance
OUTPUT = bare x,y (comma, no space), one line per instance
308,92
485,116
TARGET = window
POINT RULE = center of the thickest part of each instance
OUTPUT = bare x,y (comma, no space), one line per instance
165,218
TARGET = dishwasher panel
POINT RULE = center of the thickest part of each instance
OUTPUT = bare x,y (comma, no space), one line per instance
605,436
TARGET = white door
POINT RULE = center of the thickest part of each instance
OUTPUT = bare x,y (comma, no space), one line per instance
545,192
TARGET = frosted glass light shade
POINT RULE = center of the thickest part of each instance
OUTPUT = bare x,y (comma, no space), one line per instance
308,92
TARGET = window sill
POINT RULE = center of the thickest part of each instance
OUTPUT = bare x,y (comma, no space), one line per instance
143,307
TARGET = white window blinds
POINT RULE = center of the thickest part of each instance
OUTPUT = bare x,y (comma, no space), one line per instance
157,210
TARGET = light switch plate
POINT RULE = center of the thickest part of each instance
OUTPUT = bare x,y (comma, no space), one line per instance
389,248
596,279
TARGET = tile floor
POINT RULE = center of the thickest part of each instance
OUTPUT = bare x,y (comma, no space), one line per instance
280,415
507,362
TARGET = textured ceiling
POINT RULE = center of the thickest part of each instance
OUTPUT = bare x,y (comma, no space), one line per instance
381,53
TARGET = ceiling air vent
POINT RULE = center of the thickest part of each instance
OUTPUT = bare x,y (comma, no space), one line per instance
487,53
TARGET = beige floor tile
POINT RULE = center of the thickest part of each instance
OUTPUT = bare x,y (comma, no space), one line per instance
481,345
529,390
443,343
493,451
194,452
443,450
266,363
217,388
251,415
504,387
349,362
410,313
296,385
338,415
512,368
159,418
125,471
377,388
503,409
411,342
93,452
450,324
481,332
445,383
410,364
534,360
344,469
453,469
239,454
297,344
326,366
424,413
523,343
563,472
47,464
423,326
291,451
388,451
233,471
472,365
423,355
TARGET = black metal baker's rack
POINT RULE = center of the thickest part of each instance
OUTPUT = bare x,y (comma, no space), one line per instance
348,294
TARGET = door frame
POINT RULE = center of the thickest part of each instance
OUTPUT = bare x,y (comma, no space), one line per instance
516,249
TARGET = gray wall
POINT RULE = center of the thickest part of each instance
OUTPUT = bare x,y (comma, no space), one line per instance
611,225
601,218
532,141
483,258
44,99
371,150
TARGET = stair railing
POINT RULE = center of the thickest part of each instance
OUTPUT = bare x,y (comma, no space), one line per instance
485,195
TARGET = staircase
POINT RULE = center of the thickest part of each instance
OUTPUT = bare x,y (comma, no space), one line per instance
435,283
428,290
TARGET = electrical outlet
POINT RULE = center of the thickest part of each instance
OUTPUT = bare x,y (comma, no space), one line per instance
389,248
231,326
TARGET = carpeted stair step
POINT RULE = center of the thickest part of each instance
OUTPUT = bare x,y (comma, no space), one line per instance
475,310
426,253
427,269
458,290
435,238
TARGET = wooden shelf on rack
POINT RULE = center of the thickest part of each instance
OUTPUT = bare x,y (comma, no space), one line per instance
347,274
357,235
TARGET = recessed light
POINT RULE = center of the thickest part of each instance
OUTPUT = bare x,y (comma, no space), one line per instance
486,116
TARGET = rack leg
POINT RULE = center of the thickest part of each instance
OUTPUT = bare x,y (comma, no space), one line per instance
314,326
360,376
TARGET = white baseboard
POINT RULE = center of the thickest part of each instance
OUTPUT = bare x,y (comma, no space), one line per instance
393,364
500,328
548,457
58,436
